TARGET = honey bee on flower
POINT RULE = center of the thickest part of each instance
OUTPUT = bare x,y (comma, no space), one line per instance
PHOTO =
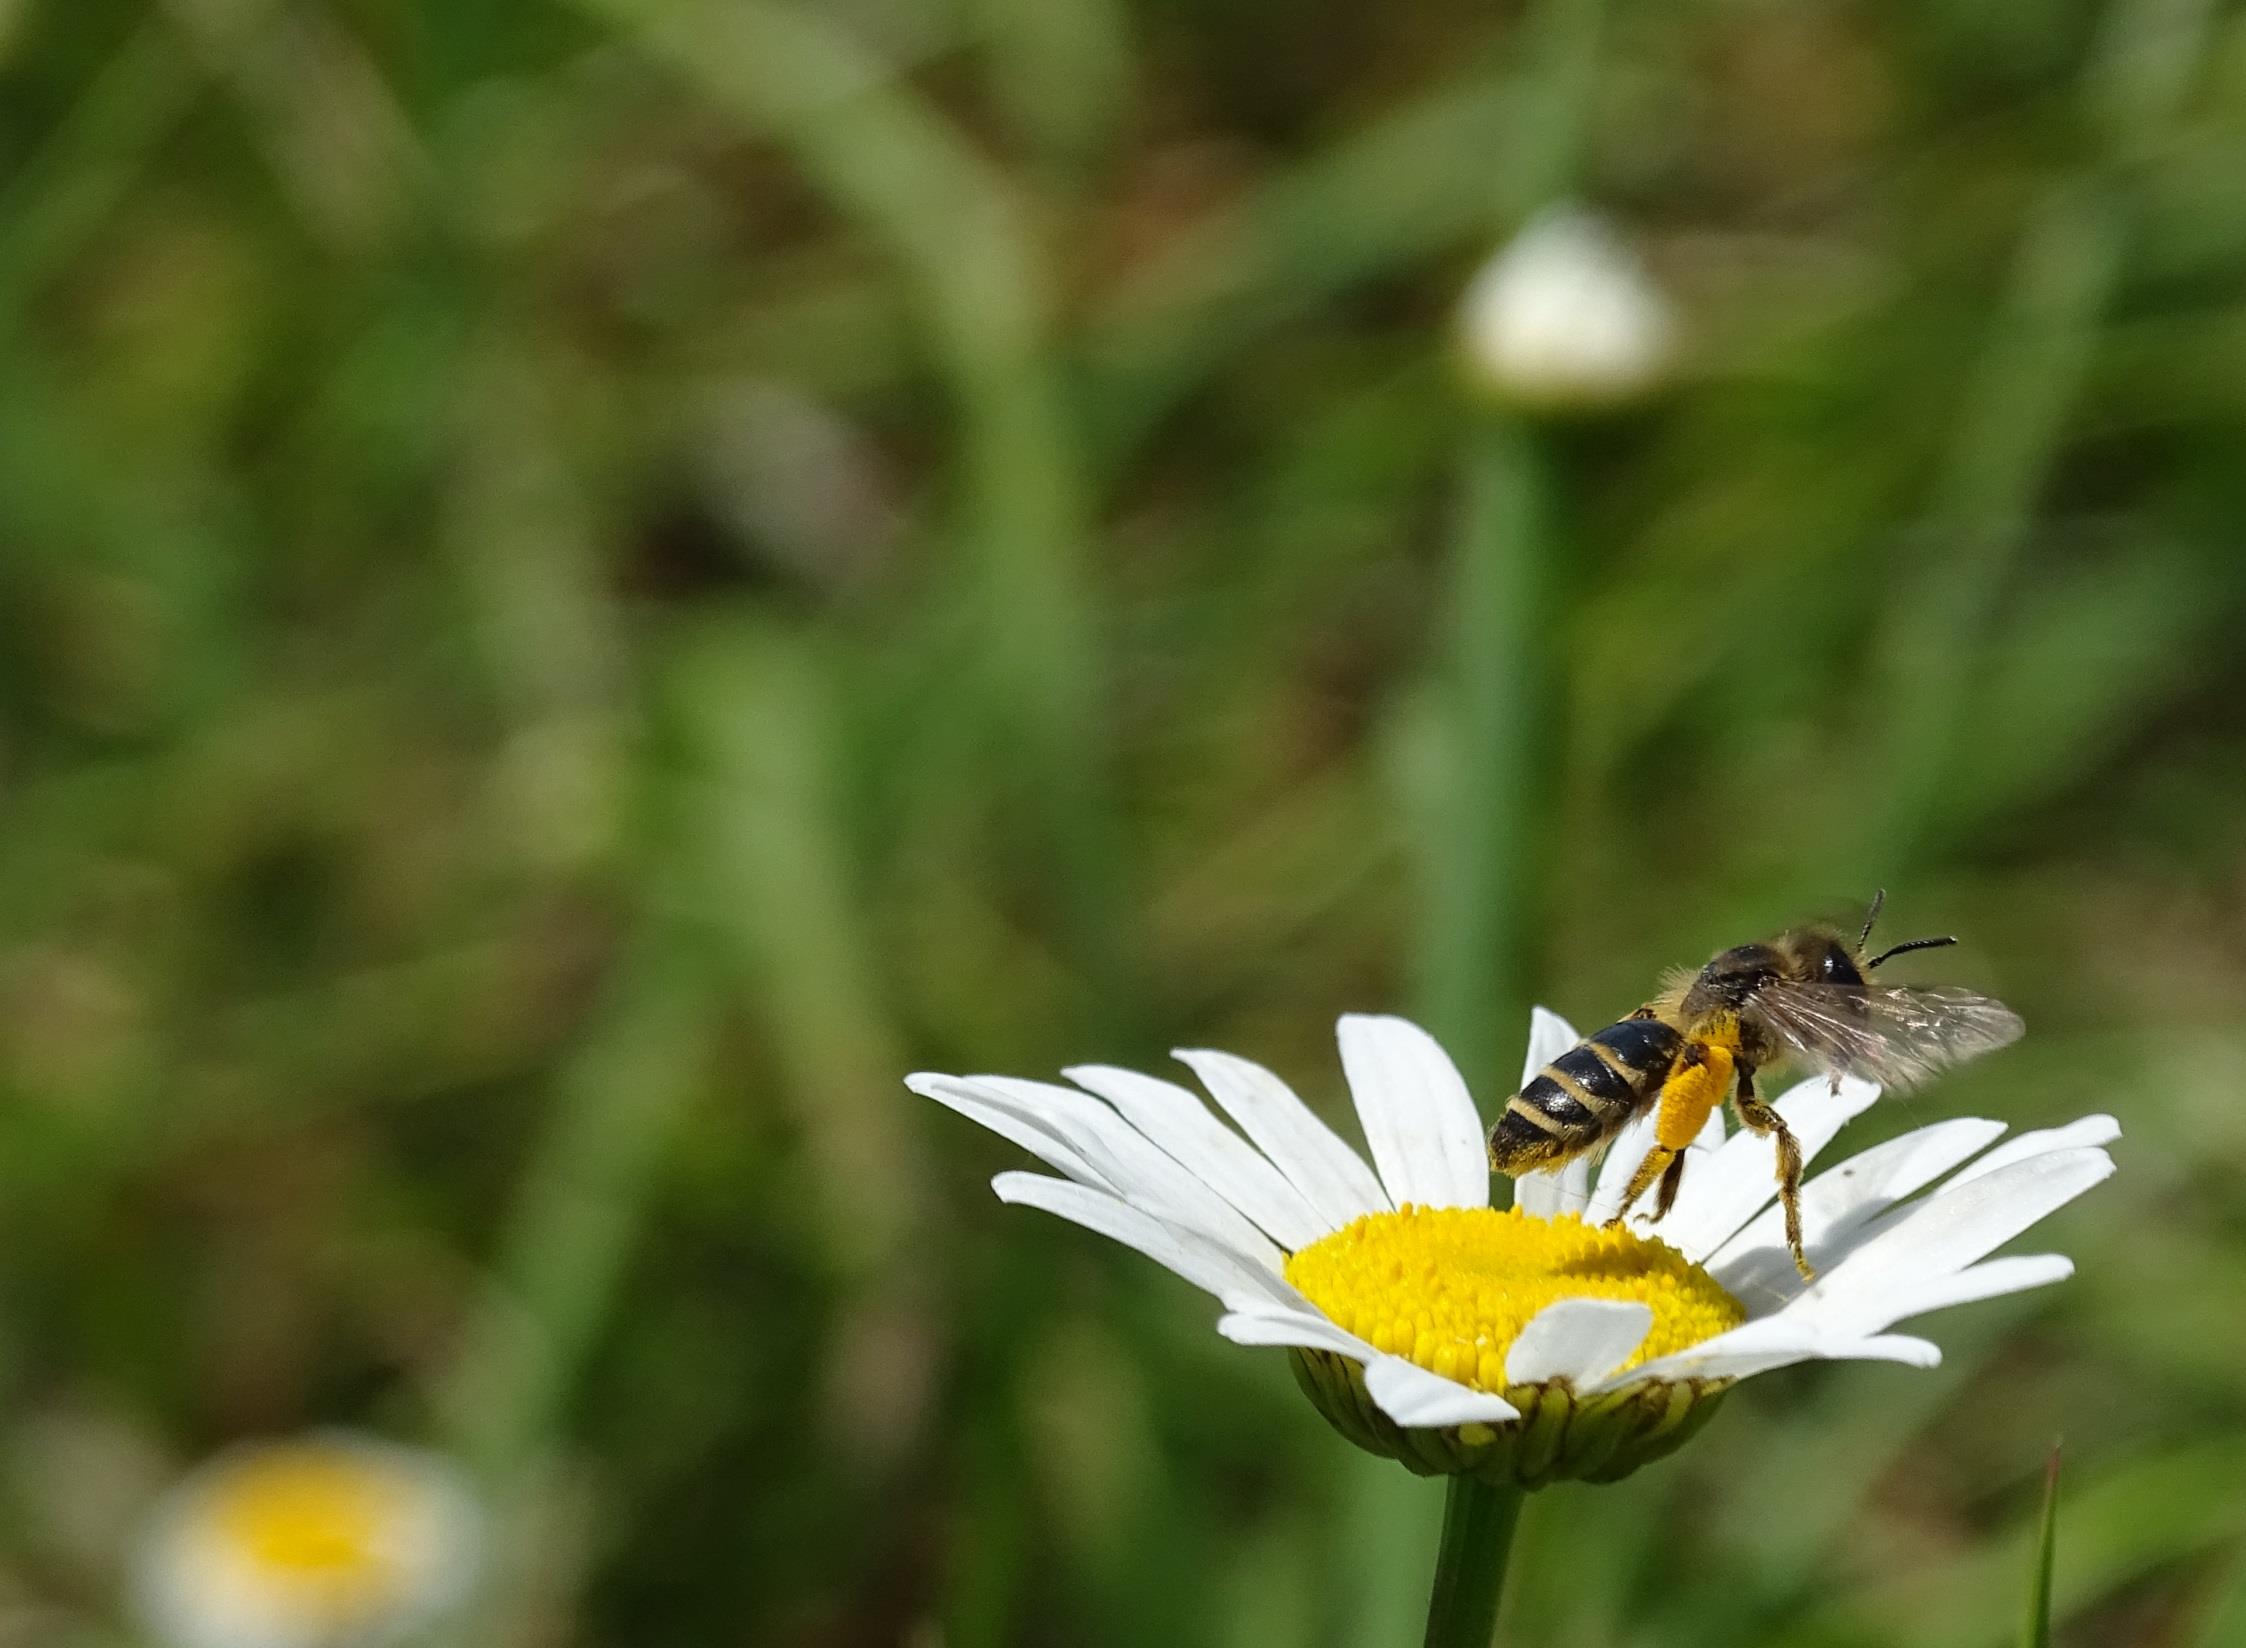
1533,1344
1805,996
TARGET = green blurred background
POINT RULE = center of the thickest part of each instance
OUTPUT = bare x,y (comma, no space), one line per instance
582,586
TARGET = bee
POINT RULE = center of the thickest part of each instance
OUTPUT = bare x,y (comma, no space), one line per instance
1803,996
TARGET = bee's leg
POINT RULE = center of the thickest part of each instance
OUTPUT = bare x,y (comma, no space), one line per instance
1670,1179
1659,1163
1766,1122
1695,1086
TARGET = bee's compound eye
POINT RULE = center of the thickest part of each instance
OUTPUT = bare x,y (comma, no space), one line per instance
1836,968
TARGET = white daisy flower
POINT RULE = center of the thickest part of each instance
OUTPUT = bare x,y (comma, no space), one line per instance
1535,1343
310,1542
1566,318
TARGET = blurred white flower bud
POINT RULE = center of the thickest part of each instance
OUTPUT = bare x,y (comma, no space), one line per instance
1566,318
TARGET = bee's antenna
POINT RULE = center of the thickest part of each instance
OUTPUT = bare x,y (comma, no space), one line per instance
1879,898
1913,944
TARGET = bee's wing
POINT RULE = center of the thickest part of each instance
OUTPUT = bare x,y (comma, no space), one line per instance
1893,1035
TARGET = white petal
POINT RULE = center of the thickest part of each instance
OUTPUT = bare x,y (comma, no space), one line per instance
1724,1191
1991,1279
1887,1347
1014,1129
1415,1398
1579,1340
1193,1257
1564,1189
2090,1130
1755,1265
1549,1036
1882,1347
1418,1117
1181,1123
1272,1326
1403,1390
1330,1175
1767,1341
1776,1342
1927,1240
1139,1172
1627,1149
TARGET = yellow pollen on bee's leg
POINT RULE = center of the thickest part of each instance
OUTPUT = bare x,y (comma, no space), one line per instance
1451,1288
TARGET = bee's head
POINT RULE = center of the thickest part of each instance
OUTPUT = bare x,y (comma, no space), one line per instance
1820,956
1822,953
1825,954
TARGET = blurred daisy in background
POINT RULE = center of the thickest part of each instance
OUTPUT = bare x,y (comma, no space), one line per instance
327,1538
1536,1343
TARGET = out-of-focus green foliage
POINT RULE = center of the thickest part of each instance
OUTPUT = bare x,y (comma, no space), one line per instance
584,585
2035,1629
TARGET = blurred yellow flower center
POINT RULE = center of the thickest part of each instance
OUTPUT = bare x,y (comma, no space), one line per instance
314,1513
1451,1288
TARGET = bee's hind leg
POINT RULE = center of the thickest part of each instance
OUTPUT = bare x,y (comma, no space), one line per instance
1671,1177
1663,1164
1760,1119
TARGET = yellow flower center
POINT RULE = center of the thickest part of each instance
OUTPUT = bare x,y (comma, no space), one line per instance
1451,1288
318,1514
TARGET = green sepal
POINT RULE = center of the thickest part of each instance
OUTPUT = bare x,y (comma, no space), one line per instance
1559,1436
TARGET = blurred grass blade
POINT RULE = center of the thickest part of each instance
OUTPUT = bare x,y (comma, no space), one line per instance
761,823
2035,1631
1294,242
2015,414
1561,41
1391,1521
1408,185
61,194
2222,1623
2133,1519
577,1212
1062,72
887,158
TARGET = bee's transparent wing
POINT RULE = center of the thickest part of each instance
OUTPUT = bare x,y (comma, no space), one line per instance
1894,1035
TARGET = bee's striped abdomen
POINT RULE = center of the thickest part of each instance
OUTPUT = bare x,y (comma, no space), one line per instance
1645,1046
1583,1095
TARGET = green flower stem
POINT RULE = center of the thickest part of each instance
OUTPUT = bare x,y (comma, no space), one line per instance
1486,847
1478,1522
